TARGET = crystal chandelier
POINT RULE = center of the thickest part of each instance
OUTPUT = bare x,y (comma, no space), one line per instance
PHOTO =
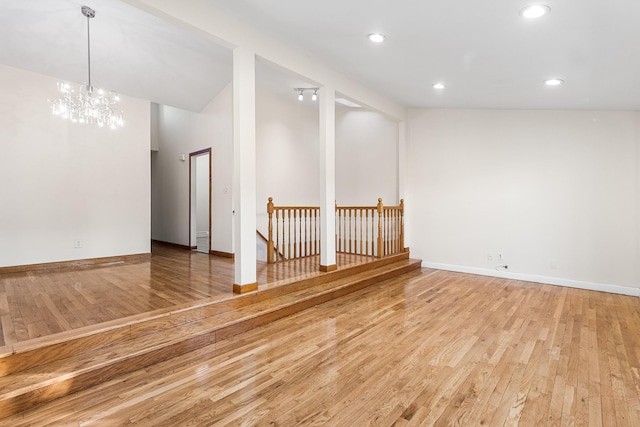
88,104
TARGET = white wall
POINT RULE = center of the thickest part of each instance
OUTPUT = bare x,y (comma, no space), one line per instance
63,182
287,161
287,138
184,132
366,158
543,187
286,166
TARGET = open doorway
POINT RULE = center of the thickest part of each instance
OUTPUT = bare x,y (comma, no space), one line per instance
200,200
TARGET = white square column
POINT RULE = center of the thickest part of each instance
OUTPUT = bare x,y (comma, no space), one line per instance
244,170
327,106
402,174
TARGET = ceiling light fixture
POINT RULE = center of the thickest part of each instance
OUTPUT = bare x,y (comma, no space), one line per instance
438,86
301,90
553,82
88,104
377,37
535,11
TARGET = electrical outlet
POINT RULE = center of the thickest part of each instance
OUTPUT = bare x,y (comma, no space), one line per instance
554,264
489,256
77,244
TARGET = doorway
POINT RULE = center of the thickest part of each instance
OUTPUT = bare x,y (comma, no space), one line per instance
200,200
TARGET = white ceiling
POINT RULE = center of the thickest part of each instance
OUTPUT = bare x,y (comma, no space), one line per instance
132,52
488,55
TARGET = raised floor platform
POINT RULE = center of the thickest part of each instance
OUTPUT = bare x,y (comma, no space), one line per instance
53,365
39,303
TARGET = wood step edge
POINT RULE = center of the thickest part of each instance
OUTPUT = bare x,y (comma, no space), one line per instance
345,281
86,362
80,363
29,354
245,314
62,385
79,333
302,295
36,352
266,291
284,302
27,396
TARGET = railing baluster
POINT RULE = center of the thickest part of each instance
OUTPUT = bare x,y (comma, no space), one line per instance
358,230
366,232
297,214
277,246
394,246
343,237
305,241
360,225
349,229
387,239
282,242
289,233
373,233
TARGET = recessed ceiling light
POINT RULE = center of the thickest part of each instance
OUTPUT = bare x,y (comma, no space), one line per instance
377,37
553,82
535,11
438,86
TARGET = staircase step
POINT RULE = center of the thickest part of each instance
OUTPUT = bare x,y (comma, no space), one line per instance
67,366
24,355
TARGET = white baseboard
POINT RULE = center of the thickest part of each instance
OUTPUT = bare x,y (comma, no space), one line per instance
614,289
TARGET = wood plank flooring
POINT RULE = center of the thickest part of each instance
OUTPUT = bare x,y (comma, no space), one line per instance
41,303
427,348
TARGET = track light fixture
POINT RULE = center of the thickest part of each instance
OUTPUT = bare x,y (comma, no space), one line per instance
301,90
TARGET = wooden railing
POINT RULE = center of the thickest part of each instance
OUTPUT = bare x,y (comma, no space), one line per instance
370,230
392,225
294,231
356,230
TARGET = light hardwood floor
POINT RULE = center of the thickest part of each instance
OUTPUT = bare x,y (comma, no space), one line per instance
45,302
427,348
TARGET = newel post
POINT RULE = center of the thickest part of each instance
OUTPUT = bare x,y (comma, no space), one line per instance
402,225
270,248
380,209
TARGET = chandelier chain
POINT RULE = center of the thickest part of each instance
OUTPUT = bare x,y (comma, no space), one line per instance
88,48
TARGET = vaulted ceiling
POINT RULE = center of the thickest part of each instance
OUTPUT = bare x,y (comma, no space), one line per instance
486,54
132,52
